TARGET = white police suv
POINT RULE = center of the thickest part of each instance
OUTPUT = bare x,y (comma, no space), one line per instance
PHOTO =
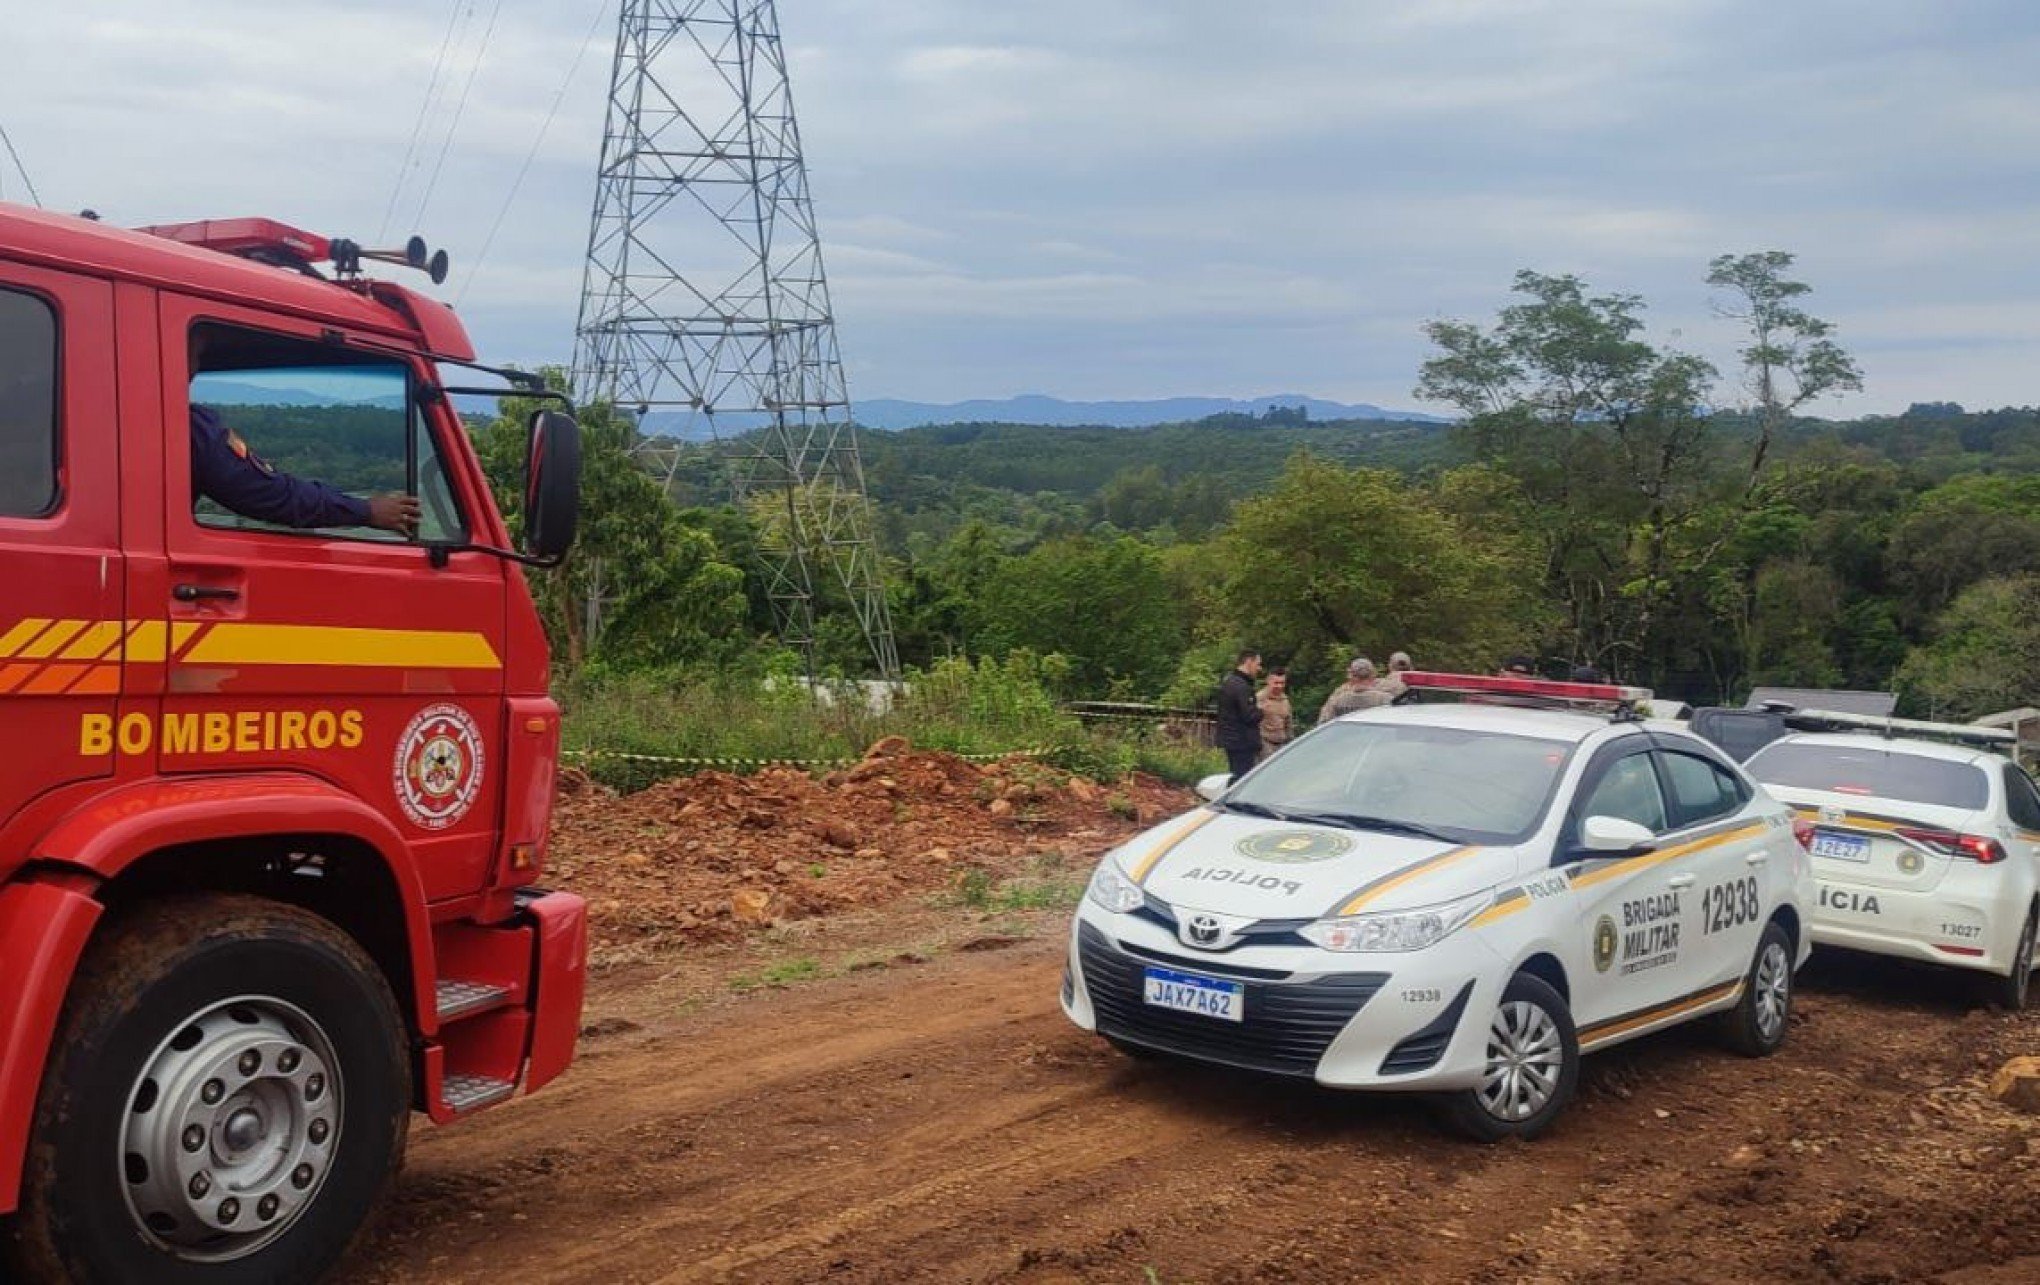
1453,898
1923,848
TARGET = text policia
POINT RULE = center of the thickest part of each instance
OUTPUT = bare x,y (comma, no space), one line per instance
246,731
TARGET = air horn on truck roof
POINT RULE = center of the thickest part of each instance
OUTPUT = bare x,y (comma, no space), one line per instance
267,241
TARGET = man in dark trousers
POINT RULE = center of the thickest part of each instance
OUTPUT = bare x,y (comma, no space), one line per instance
1239,717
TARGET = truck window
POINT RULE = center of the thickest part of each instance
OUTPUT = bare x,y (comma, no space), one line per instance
28,406
344,418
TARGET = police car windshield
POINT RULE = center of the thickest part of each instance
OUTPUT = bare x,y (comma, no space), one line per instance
1466,786
1872,772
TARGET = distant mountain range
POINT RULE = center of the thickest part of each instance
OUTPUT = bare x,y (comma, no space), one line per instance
1034,408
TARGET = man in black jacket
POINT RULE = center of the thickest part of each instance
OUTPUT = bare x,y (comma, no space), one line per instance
1239,717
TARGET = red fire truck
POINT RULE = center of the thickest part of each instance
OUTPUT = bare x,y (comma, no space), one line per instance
273,801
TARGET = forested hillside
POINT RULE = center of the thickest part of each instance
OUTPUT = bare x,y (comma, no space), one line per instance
1592,506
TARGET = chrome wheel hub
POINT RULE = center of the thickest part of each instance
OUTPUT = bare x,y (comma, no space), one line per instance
1525,1057
1774,991
231,1129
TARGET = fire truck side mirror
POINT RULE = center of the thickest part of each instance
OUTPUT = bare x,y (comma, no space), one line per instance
552,484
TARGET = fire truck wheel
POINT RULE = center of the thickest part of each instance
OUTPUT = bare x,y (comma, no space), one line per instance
226,1101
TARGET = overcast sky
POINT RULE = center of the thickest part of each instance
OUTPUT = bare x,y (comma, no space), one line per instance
1142,198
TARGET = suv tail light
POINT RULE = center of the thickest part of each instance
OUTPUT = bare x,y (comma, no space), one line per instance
1979,848
1802,830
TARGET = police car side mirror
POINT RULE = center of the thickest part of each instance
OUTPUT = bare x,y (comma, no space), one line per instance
552,484
1211,787
1613,836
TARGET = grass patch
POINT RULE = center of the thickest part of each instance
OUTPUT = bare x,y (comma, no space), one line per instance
977,890
784,973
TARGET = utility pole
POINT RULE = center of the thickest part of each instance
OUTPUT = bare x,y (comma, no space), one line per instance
705,307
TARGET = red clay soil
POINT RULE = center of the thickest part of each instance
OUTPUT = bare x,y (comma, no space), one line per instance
934,1117
710,857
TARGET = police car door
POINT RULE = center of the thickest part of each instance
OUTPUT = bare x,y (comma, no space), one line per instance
1727,852
1627,958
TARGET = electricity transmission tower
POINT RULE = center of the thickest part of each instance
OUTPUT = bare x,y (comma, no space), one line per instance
705,306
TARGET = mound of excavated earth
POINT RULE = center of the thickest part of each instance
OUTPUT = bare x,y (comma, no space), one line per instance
707,857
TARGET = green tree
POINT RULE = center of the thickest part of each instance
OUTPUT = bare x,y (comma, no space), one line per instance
1607,436
1104,603
643,585
1791,358
1985,654
1336,560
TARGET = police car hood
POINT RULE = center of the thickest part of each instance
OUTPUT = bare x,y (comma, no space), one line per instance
1263,869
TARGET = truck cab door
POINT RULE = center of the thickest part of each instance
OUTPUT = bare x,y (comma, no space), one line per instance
62,619
361,656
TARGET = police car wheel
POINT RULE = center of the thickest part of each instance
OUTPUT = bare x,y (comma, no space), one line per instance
2009,992
1533,1066
227,1098
1756,1026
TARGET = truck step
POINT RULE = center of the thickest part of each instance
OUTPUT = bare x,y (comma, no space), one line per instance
464,1093
460,999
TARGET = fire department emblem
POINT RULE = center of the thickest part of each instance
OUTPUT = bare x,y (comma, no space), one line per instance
439,766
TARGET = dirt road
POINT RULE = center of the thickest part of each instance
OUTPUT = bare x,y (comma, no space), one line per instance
938,1120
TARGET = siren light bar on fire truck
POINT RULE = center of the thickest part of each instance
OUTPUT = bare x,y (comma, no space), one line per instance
1818,720
1531,691
268,241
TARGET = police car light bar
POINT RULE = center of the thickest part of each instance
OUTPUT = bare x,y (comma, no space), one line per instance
1818,719
1543,690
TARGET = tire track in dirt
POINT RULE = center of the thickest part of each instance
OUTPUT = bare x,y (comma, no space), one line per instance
944,1123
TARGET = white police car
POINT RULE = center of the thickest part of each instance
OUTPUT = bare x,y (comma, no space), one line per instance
1922,849
1457,898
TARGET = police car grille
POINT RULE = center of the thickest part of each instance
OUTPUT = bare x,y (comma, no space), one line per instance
1286,1028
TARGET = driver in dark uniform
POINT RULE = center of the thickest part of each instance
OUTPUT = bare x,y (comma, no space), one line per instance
224,470
234,477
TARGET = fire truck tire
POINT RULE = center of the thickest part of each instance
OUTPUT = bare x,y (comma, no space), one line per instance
226,1102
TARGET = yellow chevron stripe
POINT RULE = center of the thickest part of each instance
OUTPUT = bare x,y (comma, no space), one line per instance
1631,865
1196,822
51,639
14,639
144,642
99,638
1375,892
329,645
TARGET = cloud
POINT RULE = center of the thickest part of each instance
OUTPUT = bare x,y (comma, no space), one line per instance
1121,198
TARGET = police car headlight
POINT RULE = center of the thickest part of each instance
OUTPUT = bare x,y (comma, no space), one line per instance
1396,930
1113,890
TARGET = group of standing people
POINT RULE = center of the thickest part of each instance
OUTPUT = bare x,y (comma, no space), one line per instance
1252,724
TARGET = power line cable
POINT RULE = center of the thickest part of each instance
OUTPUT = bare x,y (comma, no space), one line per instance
559,96
481,56
424,111
21,169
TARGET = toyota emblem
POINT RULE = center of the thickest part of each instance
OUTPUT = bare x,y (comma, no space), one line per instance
1204,930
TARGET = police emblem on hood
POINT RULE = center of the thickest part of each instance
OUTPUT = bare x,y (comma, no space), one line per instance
1294,846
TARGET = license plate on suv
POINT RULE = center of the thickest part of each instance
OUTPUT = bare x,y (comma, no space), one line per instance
1840,847
1189,993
